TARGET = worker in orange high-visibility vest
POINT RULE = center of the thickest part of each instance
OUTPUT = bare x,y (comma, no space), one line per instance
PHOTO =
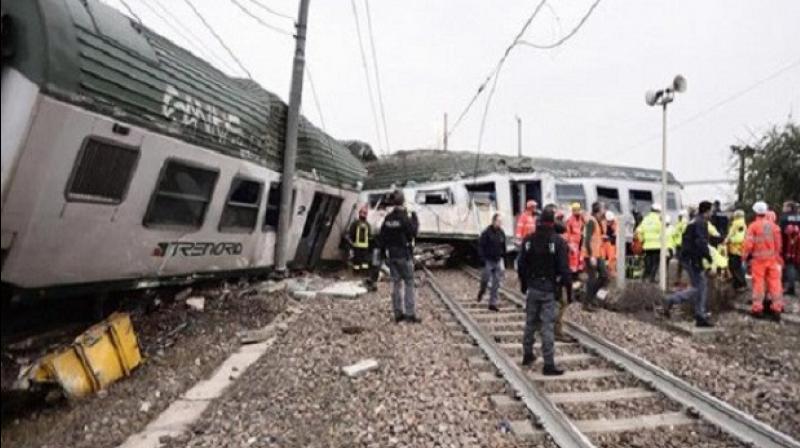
610,243
592,253
526,223
762,245
574,234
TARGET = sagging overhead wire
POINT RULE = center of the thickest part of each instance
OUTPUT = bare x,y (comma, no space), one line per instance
377,76
130,11
261,21
219,39
568,35
366,75
496,69
272,11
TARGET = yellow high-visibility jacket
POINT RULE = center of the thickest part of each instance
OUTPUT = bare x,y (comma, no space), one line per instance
649,231
677,233
736,235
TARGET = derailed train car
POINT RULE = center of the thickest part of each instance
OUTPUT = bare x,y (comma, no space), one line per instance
456,193
129,162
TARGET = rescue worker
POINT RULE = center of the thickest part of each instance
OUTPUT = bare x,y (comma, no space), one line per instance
492,251
694,250
526,223
564,292
575,224
396,238
735,243
649,233
610,243
762,246
545,257
790,230
677,240
592,254
359,236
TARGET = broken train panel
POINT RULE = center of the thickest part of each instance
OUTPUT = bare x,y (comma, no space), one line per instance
127,160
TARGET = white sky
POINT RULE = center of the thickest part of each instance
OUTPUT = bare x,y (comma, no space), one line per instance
584,100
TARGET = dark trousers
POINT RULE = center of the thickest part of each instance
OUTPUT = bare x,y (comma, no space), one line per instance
790,278
737,271
651,262
598,278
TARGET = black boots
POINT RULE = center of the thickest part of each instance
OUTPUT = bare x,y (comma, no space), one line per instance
398,318
413,319
528,359
551,370
493,308
702,322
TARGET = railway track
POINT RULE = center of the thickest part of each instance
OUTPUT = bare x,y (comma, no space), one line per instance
606,392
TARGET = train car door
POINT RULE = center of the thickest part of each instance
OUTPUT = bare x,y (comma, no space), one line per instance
321,215
522,191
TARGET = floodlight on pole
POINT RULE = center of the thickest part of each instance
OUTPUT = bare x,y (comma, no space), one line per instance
662,98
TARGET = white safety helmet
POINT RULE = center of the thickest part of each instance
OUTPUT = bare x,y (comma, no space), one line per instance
668,220
656,207
760,208
610,215
684,213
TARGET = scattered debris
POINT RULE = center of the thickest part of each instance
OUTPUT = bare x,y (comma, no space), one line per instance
352,329
144,407
304,295
365,365
196,303
256,336
183,294
345,290
98,357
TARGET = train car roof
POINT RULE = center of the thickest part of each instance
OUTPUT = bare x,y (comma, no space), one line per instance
434,165
91,55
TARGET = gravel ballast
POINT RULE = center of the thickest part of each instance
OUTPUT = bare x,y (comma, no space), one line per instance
423,392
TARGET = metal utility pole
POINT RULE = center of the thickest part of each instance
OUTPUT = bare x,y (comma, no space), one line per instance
444,139
743,153
290,148
519,136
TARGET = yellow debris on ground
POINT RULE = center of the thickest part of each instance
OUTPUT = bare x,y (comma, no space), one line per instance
101,355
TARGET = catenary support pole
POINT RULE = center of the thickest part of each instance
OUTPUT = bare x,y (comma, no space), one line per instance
444,139
662,257
519,136
290,148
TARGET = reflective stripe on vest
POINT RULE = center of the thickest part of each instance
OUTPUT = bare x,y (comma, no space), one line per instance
362,236
764,243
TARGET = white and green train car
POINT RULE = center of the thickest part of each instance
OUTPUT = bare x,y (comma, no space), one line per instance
129,162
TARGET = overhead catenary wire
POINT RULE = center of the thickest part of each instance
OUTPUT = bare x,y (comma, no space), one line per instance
185,34
698,115
366,75
377,76
130,11
272,11
568,35
261,21
218,38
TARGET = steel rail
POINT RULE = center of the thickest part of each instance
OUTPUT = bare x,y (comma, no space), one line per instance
739,424
554,421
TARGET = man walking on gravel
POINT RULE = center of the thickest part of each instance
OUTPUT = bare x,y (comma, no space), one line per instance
592,253
492,251
545,256
694,249
396,236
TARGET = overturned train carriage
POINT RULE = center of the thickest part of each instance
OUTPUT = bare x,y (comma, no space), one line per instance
128,161
455,193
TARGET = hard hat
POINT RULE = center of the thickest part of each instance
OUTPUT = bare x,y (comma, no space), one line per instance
530,205
656,207
738,214
575,206
668,220
760,208
683,213
610,215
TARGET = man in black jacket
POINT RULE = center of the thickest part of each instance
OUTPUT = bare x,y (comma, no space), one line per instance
492,250
694,249
396,238
544,256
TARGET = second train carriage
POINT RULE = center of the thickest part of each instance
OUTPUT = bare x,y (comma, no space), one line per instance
456,193
127,161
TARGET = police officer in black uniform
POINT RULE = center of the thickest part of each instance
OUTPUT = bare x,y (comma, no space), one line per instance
396,238
545,260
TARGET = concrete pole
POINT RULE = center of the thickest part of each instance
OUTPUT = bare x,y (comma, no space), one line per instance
662,266
519,136
290,148
444,140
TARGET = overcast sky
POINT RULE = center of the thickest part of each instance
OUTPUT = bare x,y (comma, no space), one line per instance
583,100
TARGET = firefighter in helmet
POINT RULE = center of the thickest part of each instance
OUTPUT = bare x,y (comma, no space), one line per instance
359,236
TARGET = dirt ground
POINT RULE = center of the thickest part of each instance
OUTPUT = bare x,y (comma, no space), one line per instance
179,345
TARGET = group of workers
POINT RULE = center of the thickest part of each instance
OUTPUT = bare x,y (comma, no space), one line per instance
554,249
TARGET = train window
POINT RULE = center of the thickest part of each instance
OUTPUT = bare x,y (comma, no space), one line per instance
102,172
483,194
380,200
182,196
434,197
241,211
569,193
273,211
641,200
672,202
610,196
